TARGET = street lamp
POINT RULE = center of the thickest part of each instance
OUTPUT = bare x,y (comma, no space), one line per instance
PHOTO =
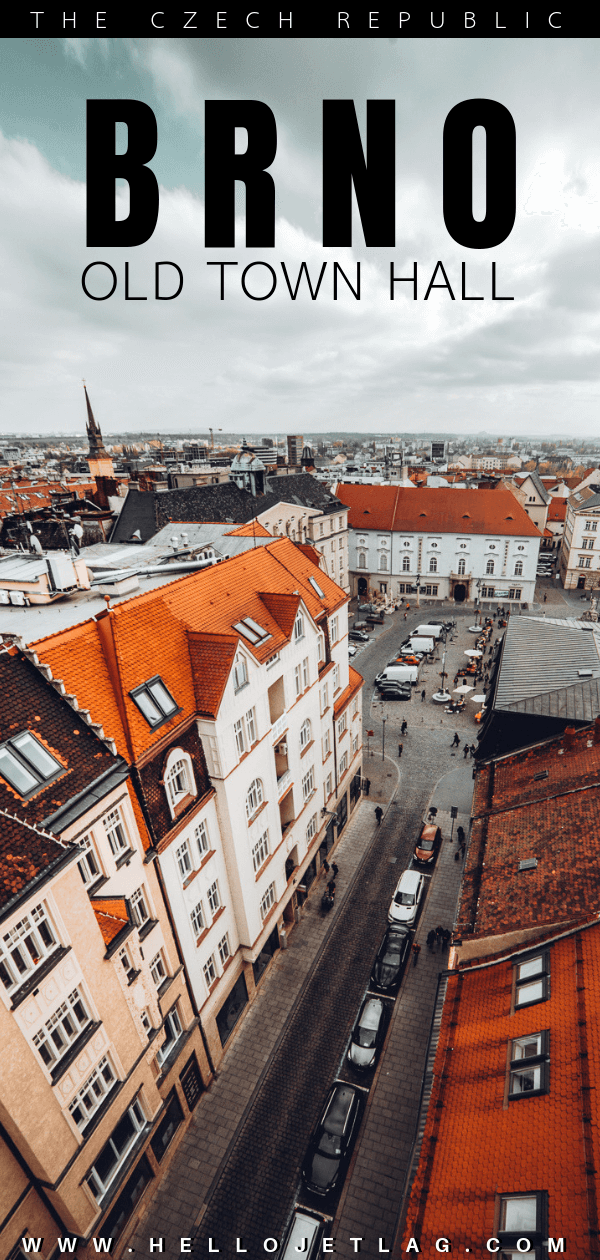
477,597
384,720
418,587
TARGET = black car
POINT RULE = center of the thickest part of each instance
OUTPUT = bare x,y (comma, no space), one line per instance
395,691
331,1143
360,636
368,1033
391,958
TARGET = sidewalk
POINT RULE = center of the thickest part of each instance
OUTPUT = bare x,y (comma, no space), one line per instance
372,1198
180,1201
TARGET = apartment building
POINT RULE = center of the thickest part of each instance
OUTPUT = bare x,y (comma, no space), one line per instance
103,1057
229,694
579,555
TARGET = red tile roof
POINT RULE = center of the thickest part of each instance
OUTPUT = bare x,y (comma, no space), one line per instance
111,915
475,1145
26,851
354,686
438,511
252,529
557,509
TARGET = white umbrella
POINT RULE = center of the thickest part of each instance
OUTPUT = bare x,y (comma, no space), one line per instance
477,699
473,652
462,690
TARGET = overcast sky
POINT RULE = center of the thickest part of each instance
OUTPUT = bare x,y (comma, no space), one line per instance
527,366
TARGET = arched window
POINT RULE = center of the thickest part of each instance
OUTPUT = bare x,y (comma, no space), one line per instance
362,560
518,568
178,779
406,564
305,733
254,797
489,568
433,564
462,565
383,561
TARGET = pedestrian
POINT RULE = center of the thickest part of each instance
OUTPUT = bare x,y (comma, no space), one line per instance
456,741
545,596
446,937
422,695
331,888
439,935
466,751
325,865
456,680
460,835
456,856
462,848
367,786
404,727
334,869
378,814
416,950
405,616
473,750
400,747
431,940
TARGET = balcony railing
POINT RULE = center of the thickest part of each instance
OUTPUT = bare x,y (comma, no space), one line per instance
279,727
283,782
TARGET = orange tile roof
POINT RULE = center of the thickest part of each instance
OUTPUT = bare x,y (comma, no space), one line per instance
557,509
441,511
252,529
111,915
101,661
476,1147
355,684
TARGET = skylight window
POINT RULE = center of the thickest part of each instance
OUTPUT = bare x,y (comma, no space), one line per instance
316,587
154,701
251,630
26,764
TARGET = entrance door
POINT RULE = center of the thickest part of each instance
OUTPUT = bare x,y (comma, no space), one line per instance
581,583
362,586
460,592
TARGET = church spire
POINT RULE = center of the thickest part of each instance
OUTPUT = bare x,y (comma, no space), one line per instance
96,450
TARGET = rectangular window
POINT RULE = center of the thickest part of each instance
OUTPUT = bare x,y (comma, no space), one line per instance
581,562
324,697
115,832
532,980
308,784
25,946
26,764
341,542
214,897
201,837
328,785
267,900
89,865
126,962
154,701
298,680
139,907
260,851
240,674
173,1031
340,523
321,647
251,726
197,917
529,1065
342,725
158,970
521,1216
272,660
224,949
334,629
320,529
184,859
343,764
91,1095
239,736
326,744
588,563
514,592
210,971
354,744
336,678
305,673
62,1030
299,627
311,830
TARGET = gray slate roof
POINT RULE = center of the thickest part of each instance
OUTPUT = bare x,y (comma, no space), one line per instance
539,674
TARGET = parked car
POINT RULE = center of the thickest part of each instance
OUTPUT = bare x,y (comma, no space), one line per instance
368,1033
395,691
331,1143
405,902
428,844
303,1234
352,650
391,958
359,636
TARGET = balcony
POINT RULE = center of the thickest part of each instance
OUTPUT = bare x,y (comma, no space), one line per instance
279,727
284,781
455,577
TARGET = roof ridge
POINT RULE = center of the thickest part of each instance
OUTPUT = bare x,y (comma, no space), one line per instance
39,831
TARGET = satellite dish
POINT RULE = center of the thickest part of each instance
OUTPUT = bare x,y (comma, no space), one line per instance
35,544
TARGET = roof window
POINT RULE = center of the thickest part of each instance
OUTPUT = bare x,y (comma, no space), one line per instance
528,864
26,764
251,630
316,587
154,701
542,774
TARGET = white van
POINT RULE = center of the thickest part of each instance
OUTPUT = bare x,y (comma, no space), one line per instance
398,673
430,632
421,643
303,1237
405,902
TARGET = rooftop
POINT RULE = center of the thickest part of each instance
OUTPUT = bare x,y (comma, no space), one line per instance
437,510
550,667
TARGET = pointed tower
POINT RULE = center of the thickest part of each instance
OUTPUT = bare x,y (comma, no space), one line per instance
100,462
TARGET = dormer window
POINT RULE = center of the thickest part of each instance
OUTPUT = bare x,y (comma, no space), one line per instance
240,673
299,627
179,779
252,631
27,765
154,701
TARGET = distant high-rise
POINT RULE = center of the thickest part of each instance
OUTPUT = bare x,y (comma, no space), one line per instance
294,448
99,460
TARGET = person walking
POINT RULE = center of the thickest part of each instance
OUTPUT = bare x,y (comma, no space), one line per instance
545,596
378,814
431,940
460,835
405,616
473,750
446,937
367,786
404,727
456,741
466,751
400,747
416,950
325,865
334,869
331,888
422,695
439,935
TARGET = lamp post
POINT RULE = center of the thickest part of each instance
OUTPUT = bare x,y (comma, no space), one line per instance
418,587
384,720
477,597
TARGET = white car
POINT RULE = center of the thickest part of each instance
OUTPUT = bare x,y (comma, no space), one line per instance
351,650
405,902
